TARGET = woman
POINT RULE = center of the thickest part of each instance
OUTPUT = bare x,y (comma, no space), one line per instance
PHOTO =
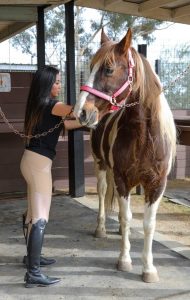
43,112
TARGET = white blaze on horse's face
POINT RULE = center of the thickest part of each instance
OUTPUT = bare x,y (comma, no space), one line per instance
85,110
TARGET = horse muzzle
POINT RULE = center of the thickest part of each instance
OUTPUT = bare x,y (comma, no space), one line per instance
88,118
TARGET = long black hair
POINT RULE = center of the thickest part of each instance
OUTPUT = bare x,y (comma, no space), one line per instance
39,94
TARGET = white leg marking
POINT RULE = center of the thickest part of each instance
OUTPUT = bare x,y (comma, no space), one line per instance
101,188
149,271
125,262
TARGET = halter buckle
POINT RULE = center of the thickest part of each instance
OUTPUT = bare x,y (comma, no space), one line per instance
113,100
130,79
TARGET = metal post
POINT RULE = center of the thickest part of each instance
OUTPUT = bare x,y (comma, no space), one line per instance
143,50
75,137
158,67
40,38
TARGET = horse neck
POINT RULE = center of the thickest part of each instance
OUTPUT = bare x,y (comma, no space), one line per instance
149,103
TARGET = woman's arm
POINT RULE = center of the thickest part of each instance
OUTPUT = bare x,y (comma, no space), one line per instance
72,124
62,110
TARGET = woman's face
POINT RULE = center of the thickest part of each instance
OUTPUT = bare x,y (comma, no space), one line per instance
56,88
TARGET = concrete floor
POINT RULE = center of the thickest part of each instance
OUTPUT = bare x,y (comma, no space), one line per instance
86,265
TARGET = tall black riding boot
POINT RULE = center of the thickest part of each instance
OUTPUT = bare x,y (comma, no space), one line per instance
33,276
44,261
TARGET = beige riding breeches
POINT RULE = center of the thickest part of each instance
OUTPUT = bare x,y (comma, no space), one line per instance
36,170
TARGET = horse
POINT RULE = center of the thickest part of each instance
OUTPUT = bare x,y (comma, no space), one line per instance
133,138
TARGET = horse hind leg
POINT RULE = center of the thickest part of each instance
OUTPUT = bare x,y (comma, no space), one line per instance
149,272
101,189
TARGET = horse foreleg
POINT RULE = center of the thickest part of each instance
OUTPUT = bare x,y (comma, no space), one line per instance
101,219
119,219
125,262
149,272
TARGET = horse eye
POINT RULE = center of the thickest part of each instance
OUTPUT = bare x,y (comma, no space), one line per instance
108,71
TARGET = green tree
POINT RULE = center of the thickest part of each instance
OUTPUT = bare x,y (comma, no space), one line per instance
86,30
141,27
54,36
116,24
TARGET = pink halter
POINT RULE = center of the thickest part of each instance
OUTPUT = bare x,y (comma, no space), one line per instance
112,99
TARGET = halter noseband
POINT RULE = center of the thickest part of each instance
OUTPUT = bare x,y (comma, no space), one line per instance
112,99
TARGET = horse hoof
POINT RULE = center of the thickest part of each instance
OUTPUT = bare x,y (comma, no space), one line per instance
150,277
100,234
124,266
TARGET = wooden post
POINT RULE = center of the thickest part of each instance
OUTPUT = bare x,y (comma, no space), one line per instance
75,137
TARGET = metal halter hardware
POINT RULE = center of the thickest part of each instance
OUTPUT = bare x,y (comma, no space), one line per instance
112,98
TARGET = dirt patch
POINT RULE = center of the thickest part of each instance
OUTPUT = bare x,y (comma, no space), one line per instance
173,219
178,216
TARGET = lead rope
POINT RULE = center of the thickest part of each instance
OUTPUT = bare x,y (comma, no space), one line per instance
37,136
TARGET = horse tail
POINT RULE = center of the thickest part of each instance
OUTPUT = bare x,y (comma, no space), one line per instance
110,198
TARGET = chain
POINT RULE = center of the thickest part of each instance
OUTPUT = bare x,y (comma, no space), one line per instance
131,104
172,83
22,135
37,136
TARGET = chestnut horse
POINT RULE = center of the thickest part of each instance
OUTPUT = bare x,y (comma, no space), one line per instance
133,138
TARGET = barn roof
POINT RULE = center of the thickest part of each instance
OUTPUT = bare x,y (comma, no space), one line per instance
16,16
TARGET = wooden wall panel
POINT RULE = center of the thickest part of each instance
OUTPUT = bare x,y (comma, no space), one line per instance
11,145
11,149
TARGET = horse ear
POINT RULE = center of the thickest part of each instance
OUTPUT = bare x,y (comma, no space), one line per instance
104,37
125,43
